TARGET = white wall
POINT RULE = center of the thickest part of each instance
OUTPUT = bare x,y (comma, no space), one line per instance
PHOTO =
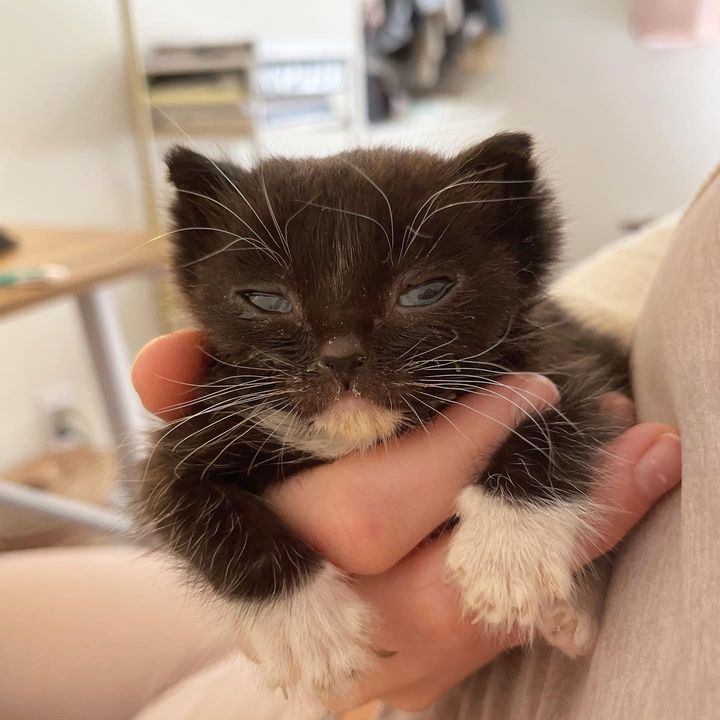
64,124
233,20
66,159
628,132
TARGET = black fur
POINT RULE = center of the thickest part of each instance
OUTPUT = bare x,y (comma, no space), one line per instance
342,237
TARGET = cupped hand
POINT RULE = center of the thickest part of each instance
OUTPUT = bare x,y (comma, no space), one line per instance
371,514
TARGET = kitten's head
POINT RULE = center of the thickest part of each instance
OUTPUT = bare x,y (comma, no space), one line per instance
348,297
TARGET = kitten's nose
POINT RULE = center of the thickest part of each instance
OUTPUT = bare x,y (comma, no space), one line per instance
342,355
345,365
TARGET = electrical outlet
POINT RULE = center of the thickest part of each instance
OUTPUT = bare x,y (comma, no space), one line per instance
60,417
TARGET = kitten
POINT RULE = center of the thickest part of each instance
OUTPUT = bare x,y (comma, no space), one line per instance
347,300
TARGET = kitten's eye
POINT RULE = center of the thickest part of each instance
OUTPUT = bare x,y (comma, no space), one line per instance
269,302
426,294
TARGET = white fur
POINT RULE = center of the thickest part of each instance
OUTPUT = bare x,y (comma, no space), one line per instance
513,560
318,639
570,627
335,432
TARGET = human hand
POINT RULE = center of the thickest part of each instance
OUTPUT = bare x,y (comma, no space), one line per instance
370,515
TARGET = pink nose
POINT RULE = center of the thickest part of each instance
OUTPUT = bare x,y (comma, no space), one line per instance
342,355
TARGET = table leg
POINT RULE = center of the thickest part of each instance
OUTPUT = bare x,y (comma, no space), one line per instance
67,509
109,355
112,365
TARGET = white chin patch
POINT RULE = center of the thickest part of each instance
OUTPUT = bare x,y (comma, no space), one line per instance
512,561
317,640
348,425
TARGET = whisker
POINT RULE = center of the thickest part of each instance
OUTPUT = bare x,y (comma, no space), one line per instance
487,201
224,249
354,214
217,167
297,212
262,244
427,204
384,196
437,347
281,237
439,412
488,417
414,412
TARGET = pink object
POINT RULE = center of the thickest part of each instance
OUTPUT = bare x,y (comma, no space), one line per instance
675,23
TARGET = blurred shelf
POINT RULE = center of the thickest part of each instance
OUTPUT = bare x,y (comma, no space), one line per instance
194,130
174,60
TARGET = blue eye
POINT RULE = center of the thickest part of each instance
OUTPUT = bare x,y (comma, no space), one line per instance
426,294
269,302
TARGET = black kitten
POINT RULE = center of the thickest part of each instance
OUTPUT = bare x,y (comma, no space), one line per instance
346,300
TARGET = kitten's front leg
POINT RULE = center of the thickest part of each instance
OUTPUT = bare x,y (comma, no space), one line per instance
295,613
316,637
511,559
516,549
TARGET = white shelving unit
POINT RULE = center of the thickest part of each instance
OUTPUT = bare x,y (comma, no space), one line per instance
443,124
317,82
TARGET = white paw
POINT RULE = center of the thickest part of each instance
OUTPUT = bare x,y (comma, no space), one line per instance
569,628
319,639
511,560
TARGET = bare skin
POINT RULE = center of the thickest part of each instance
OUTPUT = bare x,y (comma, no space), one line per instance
370,515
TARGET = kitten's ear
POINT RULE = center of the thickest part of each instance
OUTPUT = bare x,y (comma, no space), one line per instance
503,157
199,183
189,170
525,218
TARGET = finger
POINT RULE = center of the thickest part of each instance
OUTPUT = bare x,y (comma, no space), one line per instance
643,464
620,407
423,625
167,370
356,511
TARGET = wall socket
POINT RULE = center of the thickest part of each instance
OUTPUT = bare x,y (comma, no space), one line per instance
60,417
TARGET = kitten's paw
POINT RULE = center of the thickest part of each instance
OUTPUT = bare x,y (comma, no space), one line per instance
512,560
319,639
569,628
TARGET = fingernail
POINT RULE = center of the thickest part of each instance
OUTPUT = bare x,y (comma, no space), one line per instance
540,385
535,393
659,468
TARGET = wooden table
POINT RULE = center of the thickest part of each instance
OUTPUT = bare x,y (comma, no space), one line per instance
93,258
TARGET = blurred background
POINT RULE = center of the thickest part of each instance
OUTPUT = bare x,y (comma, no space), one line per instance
623,97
